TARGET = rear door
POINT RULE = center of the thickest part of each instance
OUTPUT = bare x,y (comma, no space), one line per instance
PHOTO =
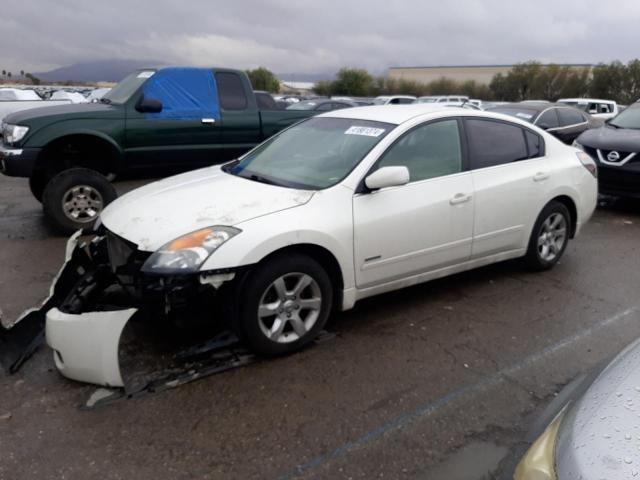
510,179
186,130
424,225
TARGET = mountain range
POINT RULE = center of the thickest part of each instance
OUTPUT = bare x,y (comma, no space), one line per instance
115,70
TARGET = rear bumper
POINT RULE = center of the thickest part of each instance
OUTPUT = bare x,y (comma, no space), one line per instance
18,162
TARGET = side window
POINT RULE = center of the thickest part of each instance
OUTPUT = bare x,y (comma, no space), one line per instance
324,107
534,143
266,102
404,101
231,91
428,151
569,117
338,106
605,108
548,119
494,143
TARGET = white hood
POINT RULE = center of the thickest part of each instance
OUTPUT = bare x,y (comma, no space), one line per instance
155,214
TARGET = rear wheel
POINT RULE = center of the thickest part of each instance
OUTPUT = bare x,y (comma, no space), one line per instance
74,198
285,303
549,237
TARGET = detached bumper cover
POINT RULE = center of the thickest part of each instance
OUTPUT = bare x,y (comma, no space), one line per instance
86,345
18,162
21,338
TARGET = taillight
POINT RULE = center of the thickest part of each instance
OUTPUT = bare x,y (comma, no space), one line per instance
588,163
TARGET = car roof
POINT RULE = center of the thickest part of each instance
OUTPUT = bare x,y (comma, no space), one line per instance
398,114
538,107
585,100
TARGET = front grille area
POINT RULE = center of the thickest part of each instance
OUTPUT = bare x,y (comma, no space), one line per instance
613,180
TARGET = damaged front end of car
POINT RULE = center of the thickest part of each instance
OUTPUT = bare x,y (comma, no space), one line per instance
109,322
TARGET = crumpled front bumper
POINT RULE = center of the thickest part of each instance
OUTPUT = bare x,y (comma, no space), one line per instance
85,346
110,324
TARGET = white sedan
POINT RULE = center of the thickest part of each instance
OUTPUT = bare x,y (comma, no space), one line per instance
336,208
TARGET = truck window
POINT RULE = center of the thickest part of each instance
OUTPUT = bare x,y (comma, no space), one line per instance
231,91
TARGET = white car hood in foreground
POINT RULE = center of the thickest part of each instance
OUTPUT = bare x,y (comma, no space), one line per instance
158,213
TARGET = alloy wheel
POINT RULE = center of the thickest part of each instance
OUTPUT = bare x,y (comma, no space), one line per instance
289,307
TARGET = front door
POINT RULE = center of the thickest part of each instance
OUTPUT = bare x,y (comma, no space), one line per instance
187,129
423,225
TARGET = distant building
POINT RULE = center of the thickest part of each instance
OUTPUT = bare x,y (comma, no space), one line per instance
297,88
460,73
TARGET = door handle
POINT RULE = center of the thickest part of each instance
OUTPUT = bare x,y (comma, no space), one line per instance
208,121
460,198
540,176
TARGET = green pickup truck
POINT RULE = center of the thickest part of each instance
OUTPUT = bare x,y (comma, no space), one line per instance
170,117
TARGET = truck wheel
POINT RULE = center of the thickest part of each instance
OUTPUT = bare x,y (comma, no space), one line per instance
74,198
37,184
284,304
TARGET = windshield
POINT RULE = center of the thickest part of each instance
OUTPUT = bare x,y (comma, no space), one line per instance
522,113
314,154
380,100
629,118
127,87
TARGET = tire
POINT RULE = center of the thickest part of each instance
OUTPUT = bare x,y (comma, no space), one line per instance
549,237
85,193
292,324
37,184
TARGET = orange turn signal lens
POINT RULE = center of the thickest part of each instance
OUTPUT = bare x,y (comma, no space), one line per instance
193,240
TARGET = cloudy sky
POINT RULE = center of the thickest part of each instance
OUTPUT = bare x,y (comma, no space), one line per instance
311,36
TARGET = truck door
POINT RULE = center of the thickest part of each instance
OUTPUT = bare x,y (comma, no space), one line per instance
186,132
241,119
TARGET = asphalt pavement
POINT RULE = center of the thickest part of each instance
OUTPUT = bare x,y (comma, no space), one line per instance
438,381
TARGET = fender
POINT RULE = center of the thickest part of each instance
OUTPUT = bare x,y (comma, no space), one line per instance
46,136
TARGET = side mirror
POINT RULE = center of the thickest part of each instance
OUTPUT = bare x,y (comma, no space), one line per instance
149,105
387,177
544,126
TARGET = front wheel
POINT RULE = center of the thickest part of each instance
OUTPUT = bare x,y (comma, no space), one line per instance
285,303
74,198
549,237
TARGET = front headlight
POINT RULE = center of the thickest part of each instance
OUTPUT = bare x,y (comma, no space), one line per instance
539,461
187,253
12,134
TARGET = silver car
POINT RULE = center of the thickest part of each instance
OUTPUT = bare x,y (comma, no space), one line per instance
595,431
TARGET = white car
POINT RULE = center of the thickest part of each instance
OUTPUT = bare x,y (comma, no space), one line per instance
393,99
447,99
595,107
334,209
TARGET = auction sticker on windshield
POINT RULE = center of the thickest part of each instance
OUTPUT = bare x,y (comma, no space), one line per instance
526,116
147,74
366,131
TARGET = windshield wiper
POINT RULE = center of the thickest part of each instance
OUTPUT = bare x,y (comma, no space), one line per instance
105,101
261,179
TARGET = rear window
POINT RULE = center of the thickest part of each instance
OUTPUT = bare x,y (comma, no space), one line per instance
494,143
568,116
521,113
231,91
